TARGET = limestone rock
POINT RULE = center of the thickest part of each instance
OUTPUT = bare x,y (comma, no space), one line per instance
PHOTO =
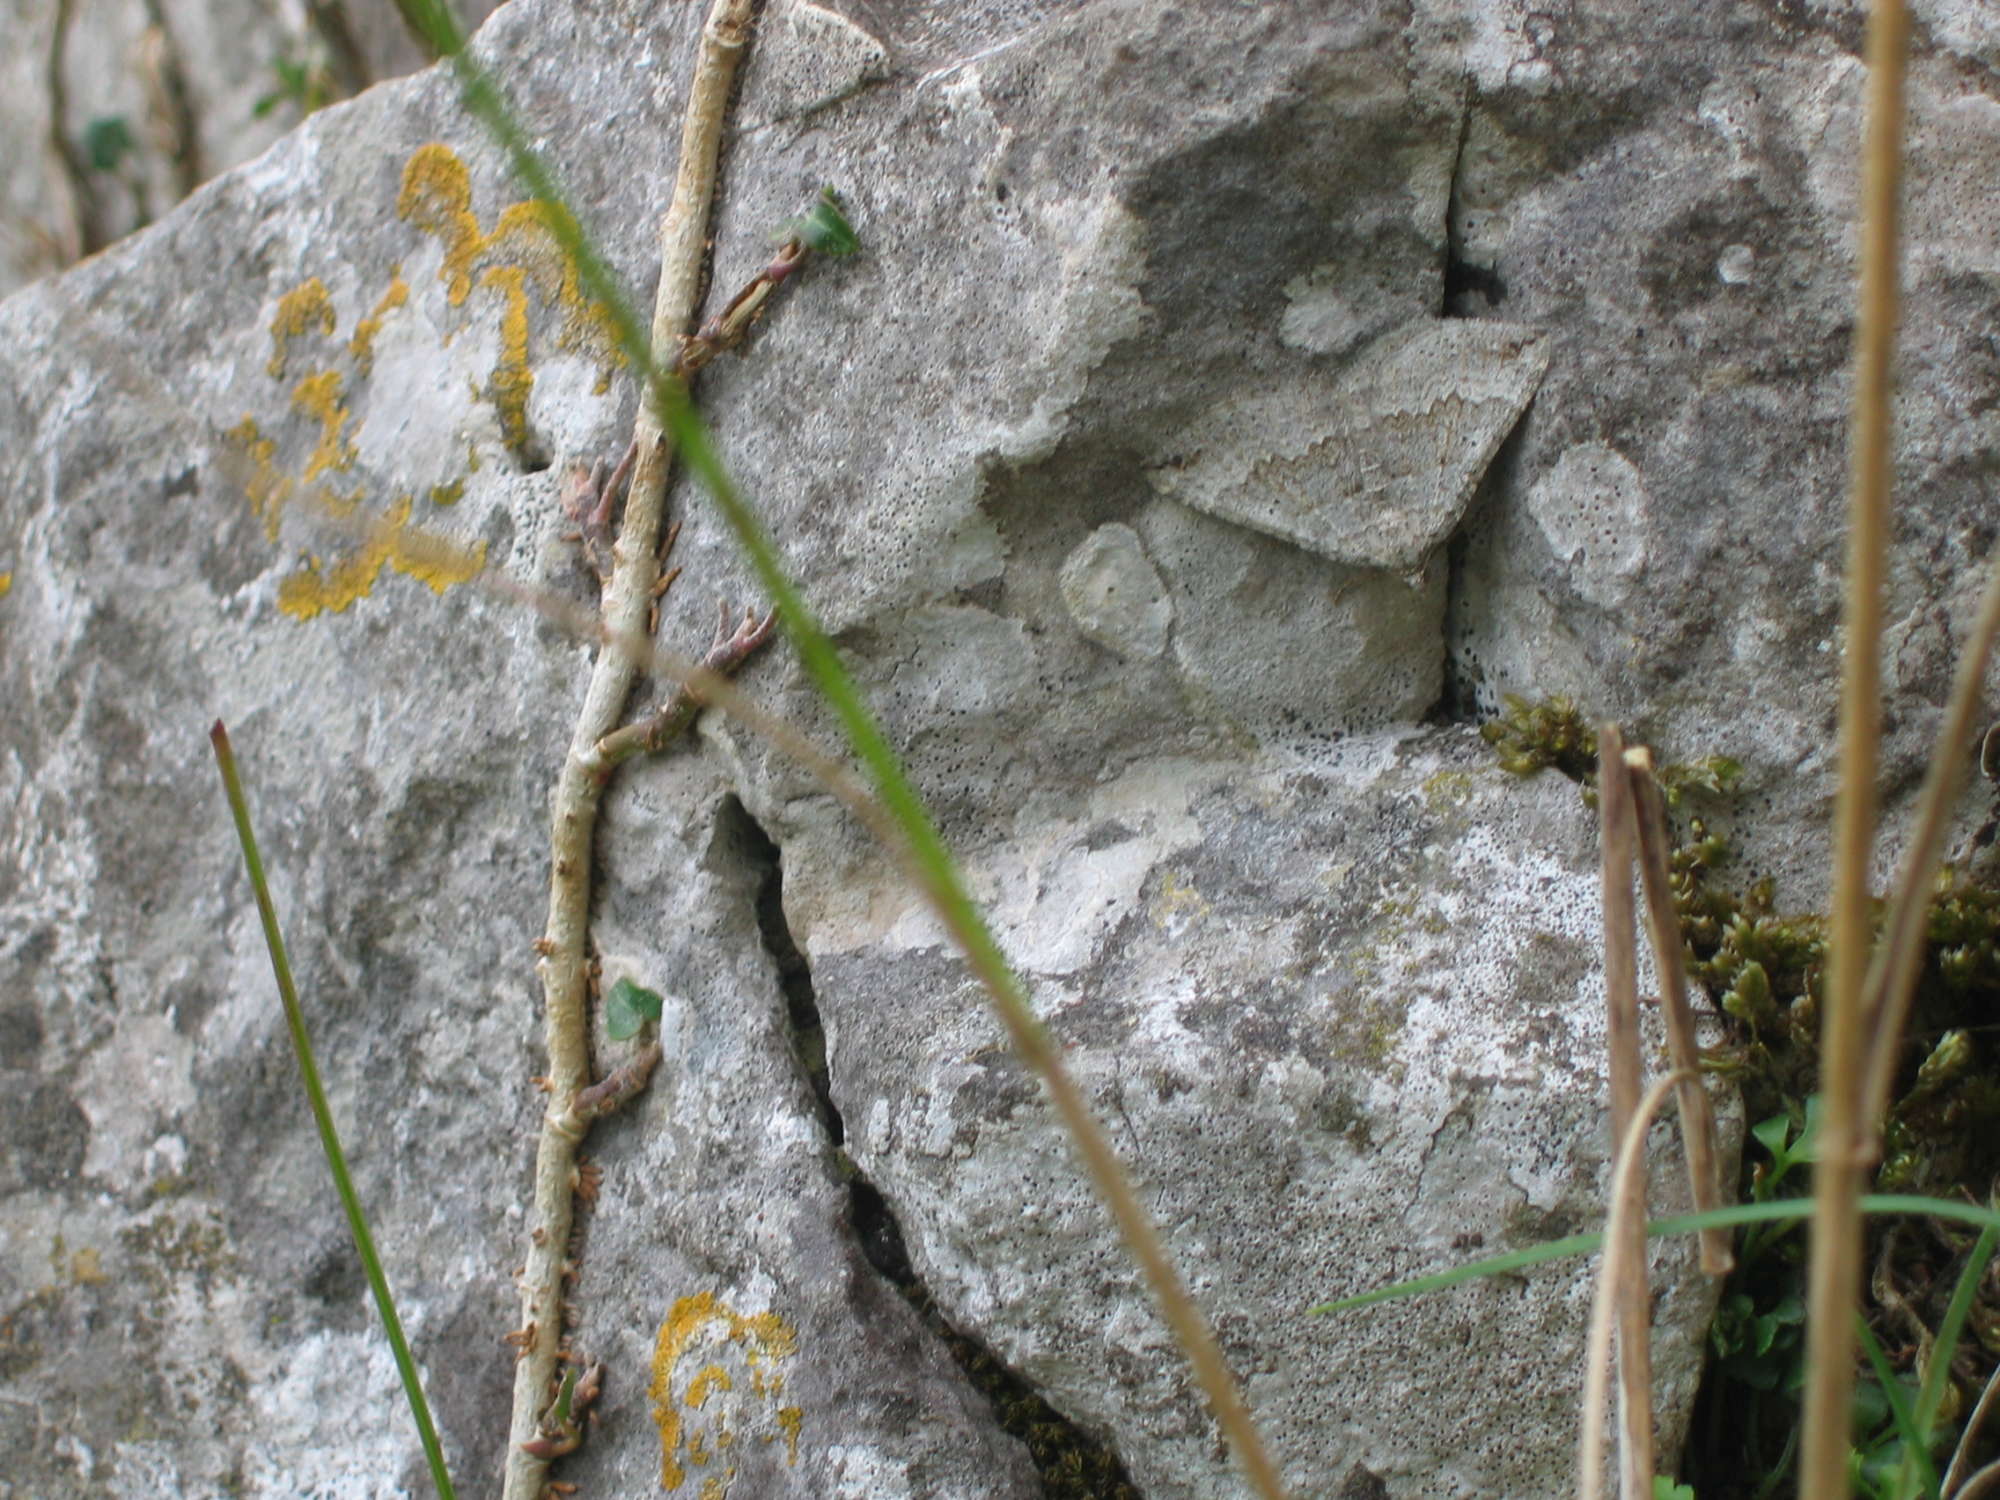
1325,971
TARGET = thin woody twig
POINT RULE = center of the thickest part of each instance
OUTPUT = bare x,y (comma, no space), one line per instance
628,598
653,733
731,326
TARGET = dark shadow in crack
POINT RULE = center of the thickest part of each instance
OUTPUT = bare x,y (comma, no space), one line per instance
1072,1464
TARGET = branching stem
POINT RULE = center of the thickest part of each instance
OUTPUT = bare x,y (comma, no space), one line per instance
628,597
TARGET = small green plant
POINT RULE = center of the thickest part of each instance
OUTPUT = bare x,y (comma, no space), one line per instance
823,228
1549,735
107,142
305,83
1766,969
1712,775
627,1008
1553,734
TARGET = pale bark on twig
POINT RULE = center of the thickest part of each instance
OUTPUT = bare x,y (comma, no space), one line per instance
627,600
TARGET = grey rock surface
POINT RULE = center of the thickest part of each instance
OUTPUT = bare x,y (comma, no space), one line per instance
1324,970
1373,468
112,111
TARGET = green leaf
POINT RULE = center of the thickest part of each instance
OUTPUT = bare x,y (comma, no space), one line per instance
1789,1210
824,227
1895,1394
628,1007
108,140
1665,1489
1771,1133
567,1394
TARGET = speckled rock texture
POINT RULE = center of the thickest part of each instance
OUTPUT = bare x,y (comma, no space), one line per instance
1230,404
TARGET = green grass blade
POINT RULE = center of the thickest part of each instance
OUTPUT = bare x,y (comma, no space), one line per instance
930,863
323,1116
1791,1209
484,100
1938,1373
1915,1450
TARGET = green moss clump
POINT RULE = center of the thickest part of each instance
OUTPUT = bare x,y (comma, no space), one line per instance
1554,735
1549,735
1765,969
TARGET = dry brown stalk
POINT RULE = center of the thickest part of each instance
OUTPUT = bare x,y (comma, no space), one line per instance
1892,978
1838,1174
1626,1066
1957,1481
1625,1230
1663,923
1039,1053
627,600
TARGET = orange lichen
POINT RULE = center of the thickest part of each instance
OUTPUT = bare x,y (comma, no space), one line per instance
512,381
362,344
301,310
712,1377
704,1326
6,583
267,489
318,396
391,542
521,260
524,249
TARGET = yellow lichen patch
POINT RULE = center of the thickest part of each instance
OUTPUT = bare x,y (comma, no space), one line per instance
789,1420
1178,898
447,494
86,1268
318,396
712,1377
699,1398
362,344
532,234
512,380
1446,789
268,490
524,249
305,308
437,197
6,583
322,586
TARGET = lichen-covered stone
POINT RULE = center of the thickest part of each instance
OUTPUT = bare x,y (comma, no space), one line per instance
1325,971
